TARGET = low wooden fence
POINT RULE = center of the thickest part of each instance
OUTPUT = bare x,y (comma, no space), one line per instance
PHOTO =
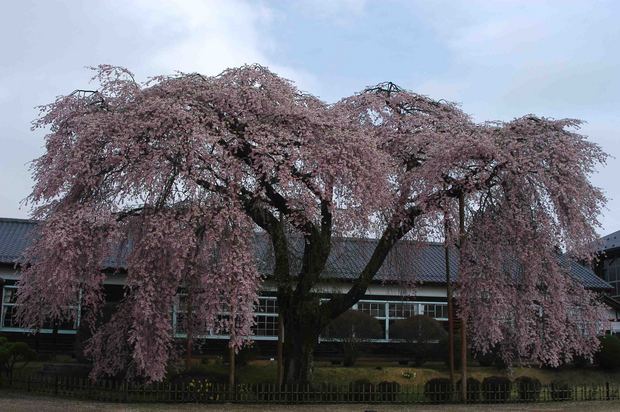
207,392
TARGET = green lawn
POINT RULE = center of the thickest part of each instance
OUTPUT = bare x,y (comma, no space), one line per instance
265,372
375,372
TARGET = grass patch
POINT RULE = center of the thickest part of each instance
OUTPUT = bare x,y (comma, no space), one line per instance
265,372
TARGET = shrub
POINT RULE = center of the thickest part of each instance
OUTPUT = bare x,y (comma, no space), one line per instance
199,373
438,390
353,328
581,362
496,388
529,388
421,334
247,354
444,353
363,382
608,356
473,389
387,391
363,390
201,390
560,391
12,353
594,393
485,359
491,358
408,374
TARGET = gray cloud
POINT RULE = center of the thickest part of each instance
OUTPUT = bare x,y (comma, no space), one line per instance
499,59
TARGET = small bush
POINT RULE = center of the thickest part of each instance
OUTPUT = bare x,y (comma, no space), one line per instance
608,356
594,393
473,389
199,373
361,382
201,390
363,390
408,374
388,391
496,388
581,362
438,390
485,359
560,391
353,328
12,353
444,353
246,355
529,388
362,385
421,334
491,358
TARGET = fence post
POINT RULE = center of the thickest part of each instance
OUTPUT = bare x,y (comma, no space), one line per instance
28,384
56,386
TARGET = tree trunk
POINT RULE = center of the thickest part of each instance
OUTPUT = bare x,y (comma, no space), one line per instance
299,358
302,335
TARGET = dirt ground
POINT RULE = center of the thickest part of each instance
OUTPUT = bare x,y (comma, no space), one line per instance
15,402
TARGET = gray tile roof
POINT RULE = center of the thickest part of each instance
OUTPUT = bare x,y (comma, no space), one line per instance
15,236
611,241
426,261
587,277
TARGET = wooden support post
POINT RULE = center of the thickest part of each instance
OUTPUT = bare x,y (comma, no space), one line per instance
463,321
231,366
280,349
189,329
450,313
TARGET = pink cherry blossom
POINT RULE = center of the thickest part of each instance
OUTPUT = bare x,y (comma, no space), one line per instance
182,170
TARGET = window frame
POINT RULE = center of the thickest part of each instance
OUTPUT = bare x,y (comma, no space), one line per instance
5,305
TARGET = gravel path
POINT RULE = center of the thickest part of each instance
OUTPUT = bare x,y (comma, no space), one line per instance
16,402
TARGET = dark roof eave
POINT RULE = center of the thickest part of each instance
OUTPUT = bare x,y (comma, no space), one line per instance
608,300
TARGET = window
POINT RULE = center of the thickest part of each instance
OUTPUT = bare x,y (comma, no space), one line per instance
435,311
179,317
376,309
266,326
9,299
387,312
265,321
612,276
266,317
8,321
267,305
403,309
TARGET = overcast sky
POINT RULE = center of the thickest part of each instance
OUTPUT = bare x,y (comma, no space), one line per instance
498,59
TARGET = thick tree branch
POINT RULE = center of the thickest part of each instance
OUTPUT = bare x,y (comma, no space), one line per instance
338,304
